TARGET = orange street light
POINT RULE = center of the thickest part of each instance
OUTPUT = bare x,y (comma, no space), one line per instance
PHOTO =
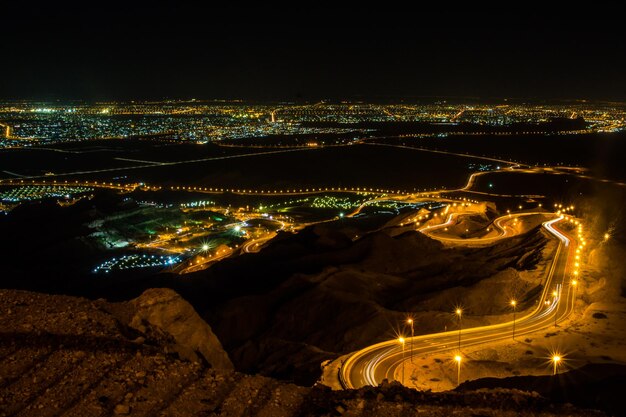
459,313
555,360
513,304
410,322
458,359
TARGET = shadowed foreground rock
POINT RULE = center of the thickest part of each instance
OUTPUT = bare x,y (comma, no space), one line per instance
68,356
162,312
599,385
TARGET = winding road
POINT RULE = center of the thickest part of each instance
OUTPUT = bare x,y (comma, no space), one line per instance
501,227
371,365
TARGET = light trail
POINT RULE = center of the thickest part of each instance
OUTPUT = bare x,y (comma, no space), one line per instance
372,364
497,223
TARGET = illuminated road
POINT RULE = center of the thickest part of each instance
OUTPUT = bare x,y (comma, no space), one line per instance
255,245
371,365
501,226
204,262
54,183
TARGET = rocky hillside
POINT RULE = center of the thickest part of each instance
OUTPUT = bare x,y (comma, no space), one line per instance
328,290
319,294
153,356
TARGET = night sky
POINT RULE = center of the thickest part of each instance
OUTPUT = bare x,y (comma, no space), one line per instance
103,52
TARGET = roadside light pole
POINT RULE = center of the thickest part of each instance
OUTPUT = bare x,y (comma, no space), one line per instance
458,359
556,306
513,304
410,322
459,313
555,360
401,340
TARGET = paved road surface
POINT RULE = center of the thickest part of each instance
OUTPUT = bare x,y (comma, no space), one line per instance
371,365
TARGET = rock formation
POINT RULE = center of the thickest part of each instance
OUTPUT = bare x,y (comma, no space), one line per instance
162,314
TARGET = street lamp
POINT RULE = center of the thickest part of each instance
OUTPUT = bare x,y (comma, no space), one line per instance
555,360
457,359
513,304
401,340
459,313
556,307
410,322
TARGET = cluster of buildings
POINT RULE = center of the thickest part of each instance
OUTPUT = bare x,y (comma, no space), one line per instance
26,123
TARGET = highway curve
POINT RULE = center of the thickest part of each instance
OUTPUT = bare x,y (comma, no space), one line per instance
500,226
371,365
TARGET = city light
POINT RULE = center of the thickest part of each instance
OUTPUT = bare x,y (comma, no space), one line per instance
129,262
556,360
181,225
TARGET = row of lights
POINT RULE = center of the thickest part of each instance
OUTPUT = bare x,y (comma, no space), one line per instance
132,187
291,191
555,357
136,261
128,187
